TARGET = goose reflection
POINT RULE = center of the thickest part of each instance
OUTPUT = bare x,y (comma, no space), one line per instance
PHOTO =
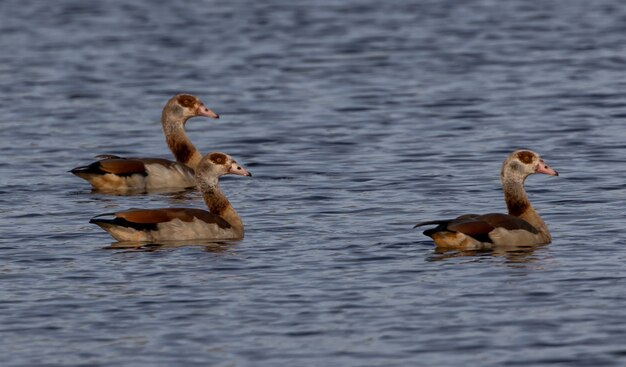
208,246
512,254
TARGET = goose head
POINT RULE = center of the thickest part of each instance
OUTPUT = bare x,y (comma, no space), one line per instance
216,164
184,106
523,163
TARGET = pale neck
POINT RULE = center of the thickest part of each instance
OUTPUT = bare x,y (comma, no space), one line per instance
218,204
178,142
518,205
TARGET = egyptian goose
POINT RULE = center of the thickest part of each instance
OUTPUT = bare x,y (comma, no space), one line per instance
522,226
221,222
116,173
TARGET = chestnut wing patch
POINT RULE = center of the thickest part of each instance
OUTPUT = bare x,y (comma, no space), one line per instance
155,216
471,227
122,167
509,222
479,226
116,166
144,216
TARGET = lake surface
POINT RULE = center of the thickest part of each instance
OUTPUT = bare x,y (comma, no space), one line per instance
357,119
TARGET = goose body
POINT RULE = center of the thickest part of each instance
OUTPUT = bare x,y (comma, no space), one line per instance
112,172
117,173
522,226
220,222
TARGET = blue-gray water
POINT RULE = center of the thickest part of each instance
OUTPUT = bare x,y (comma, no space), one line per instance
358,119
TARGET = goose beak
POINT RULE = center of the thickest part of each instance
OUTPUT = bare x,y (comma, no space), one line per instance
205,111
542,167
236,169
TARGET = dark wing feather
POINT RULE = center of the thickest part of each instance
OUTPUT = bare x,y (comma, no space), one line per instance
122,167
145,216
118,221
507,221
117,166
470,227
479,226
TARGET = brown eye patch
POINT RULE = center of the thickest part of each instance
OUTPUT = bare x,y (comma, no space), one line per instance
217,158
186,100
525,156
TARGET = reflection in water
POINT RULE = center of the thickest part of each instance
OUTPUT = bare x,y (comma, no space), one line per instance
208,246
513,254
182,197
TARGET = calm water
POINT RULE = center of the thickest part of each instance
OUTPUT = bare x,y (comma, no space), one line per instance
357,119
